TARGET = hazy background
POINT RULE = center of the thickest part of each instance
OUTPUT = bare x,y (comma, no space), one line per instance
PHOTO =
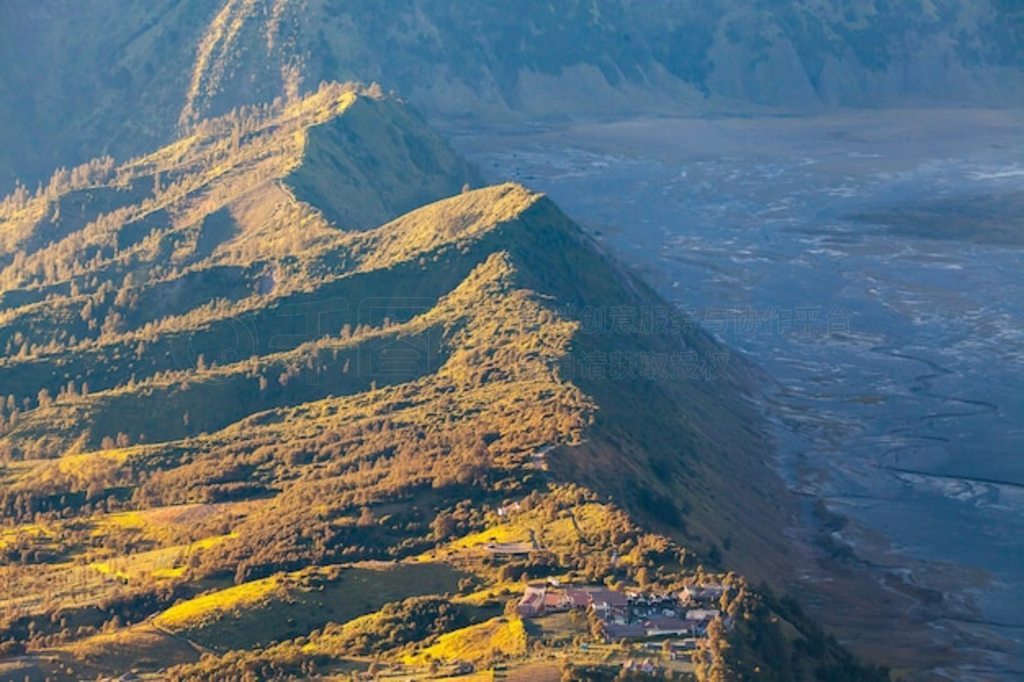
80,79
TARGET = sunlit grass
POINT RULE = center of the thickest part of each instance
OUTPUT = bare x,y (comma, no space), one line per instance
502,635
195,612
166,563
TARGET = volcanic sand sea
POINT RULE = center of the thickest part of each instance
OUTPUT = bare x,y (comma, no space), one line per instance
899,359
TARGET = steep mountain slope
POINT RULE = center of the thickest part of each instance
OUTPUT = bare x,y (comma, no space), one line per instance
252,410
138,72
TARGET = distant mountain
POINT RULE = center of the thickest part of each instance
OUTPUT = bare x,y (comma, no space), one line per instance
84,79
288,392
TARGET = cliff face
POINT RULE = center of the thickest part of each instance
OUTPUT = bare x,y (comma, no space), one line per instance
102,77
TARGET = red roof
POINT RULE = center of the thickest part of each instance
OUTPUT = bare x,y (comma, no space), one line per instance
578,597
553,599
609,597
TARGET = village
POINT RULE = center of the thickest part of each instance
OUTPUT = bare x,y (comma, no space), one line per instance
630,615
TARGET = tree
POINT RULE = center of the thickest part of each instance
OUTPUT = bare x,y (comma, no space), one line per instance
643,577
443,526
366,518
710,661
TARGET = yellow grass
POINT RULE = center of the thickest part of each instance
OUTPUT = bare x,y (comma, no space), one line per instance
12,472
86,461
502,635
33,590
164,525
558,534
164,563
502,533
168,573
33,530
212,541
195,612
131,520
86,466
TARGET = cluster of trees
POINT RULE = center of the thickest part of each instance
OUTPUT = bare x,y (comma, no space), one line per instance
752,638
98,220
73,602
395,625
94,172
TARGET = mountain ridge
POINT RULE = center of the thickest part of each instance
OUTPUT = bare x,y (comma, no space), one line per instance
356,399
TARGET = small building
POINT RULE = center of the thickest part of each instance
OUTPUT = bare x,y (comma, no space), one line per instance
532,602
701,615
614,632
510,548
609,602
685,645
578,598
509,509
555,601
701,594
661,626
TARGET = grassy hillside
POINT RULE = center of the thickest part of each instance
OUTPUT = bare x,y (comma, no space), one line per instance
287,426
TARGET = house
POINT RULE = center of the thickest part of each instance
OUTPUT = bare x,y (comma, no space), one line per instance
578,598
701,615
532,602
666,602
554,601
539,599
613,632
661,626
607,603
702,594
510,548
509,509
685,645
